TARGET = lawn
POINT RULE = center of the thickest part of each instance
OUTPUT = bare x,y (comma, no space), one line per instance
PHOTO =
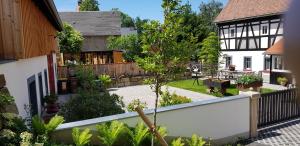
188,85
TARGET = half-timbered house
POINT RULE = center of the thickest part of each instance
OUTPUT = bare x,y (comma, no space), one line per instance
247,28
28,48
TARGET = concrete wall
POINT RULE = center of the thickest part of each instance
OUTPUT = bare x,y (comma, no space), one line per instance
16,74
220,119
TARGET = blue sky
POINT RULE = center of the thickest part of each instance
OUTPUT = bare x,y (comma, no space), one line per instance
146,9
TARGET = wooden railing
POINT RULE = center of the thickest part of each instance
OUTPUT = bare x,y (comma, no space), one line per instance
114,70
277,106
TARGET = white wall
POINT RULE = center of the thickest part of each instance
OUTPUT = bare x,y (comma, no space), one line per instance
217,119
238,59
16,74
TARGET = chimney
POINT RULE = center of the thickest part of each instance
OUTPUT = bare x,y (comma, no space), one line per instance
78,5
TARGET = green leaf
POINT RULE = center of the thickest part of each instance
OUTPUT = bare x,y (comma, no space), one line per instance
81,138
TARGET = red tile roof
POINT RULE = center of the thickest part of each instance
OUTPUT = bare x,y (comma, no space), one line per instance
276,49
245,9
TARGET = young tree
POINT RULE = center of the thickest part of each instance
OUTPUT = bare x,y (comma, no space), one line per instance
167,47
126,20
70,40
89,5
210,53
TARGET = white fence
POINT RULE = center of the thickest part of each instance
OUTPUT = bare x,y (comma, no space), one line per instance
222,120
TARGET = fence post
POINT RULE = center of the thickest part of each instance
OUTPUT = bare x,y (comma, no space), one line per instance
254,115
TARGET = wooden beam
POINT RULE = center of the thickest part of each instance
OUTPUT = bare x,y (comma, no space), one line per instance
151,126
254,115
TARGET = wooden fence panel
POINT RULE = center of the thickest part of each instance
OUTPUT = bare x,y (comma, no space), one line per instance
114,70
278,106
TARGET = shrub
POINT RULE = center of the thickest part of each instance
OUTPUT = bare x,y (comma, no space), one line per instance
196,141
248,79
86,78
5,99
93,105
136,103
105,80
282,80
81,138
168,99
110,132
52,98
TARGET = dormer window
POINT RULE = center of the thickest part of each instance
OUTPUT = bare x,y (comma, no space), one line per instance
265,30
232,33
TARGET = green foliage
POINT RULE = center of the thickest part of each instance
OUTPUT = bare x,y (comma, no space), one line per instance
136,103
168,99
130,43
86,78
52,98
177,142
138,134
110,132
248,79
105,80
5,99
40,128
11,125
81,138
89,5
93,105
208,12
90,100
70,40
282,80
210,53
126,20
196,141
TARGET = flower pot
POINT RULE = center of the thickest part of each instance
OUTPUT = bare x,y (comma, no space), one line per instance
52,108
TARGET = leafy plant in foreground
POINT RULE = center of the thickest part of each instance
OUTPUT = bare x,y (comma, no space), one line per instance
40,128
196,141
109,133
136,102
177,142
138,134
81,138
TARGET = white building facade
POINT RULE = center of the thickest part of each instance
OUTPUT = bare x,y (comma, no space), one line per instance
246,29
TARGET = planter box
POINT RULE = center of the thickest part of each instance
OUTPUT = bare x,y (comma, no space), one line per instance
217,83
254,85
214,83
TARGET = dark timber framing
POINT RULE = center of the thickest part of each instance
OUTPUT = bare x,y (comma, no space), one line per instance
248,39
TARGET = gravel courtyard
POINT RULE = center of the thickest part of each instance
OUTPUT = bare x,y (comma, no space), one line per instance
145,94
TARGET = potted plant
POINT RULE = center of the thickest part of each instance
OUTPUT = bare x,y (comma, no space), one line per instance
282,81
105,80
249,81
52,106
231,67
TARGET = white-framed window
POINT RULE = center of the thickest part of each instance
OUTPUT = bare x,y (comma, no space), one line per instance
228,61
232,32
247,63
264,29
267,63
278,63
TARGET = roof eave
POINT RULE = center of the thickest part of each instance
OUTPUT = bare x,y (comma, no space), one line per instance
247,18
49,9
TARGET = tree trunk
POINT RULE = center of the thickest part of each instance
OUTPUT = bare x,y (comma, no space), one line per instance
155,109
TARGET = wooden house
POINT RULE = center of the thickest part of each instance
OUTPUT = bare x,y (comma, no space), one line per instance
247,28
28,49
96,27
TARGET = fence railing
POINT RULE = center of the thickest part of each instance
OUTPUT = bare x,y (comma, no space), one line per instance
114,70
277,106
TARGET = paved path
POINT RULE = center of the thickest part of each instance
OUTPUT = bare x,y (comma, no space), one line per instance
273,87
283,134
145,94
